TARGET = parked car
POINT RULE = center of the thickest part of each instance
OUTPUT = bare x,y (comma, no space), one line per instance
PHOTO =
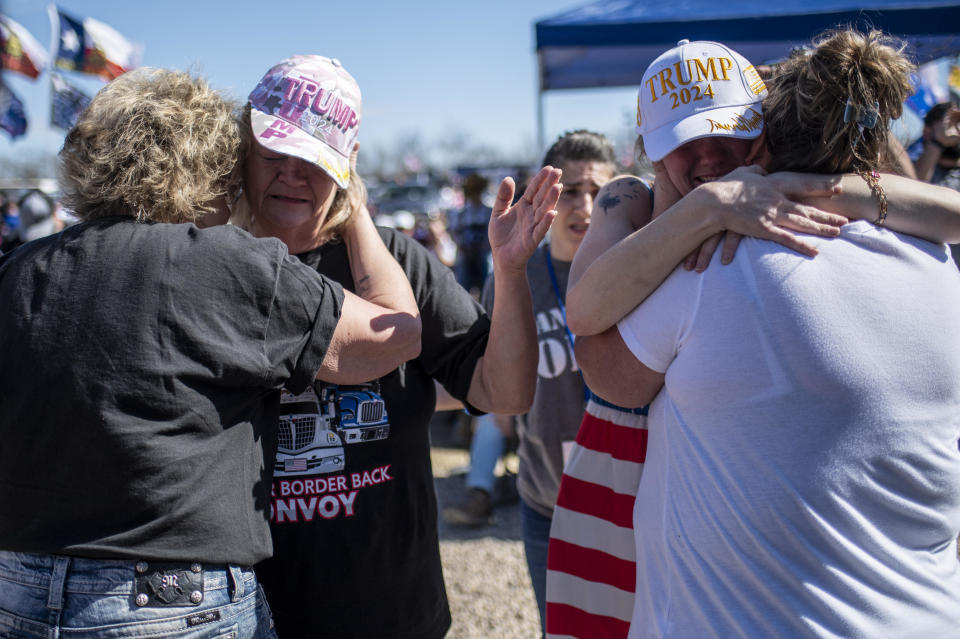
416,198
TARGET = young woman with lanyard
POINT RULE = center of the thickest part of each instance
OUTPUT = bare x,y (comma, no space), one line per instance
588,162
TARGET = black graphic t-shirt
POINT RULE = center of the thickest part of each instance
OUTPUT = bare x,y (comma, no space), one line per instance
140,377
353,512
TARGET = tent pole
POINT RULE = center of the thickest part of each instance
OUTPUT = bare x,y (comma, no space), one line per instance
540,131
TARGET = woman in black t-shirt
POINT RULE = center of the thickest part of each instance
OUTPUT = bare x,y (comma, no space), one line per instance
142,362
353,512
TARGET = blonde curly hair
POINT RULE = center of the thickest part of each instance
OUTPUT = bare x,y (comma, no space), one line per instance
345,203
808,93
154,144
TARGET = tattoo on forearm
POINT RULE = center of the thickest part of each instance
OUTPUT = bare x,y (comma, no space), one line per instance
363,285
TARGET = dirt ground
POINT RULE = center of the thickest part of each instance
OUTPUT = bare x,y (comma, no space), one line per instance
484,569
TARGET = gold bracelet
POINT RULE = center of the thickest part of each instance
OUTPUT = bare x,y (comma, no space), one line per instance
872,178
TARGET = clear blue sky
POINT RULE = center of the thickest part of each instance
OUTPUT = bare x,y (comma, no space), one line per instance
428,67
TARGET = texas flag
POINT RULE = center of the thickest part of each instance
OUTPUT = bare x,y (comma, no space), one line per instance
90,46
19,50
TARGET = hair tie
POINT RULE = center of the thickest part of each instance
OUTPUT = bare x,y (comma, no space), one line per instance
864,117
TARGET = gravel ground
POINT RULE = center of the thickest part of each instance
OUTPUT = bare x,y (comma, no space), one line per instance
484,569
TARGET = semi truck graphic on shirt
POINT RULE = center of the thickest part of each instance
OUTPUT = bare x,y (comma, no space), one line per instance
316,425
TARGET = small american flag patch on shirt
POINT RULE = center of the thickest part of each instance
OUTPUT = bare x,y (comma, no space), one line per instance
291,465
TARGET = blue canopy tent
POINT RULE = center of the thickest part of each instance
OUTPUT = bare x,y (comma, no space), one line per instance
609,43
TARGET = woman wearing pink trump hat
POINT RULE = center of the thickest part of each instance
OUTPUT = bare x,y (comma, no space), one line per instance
143,360
353,512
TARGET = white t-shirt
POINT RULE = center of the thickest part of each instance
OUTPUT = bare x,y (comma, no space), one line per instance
803,471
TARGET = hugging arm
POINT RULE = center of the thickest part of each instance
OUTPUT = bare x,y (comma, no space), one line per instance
622,263
379,329
913,207
916,208
611,371
625,256
621,207
749,202
369,342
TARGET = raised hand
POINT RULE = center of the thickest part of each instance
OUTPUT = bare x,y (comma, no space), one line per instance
516,231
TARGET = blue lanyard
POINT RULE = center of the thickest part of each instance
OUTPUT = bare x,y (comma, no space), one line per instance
587,394
563,314
558,295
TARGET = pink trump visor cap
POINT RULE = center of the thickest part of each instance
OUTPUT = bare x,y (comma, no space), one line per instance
308,106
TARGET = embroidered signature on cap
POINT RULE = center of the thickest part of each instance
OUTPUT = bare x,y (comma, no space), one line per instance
739,123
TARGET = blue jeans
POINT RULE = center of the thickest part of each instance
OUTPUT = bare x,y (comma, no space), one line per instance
536,539
486,447
52,596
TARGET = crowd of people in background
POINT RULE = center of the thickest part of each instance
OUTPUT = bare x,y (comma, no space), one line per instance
29,215
256,333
